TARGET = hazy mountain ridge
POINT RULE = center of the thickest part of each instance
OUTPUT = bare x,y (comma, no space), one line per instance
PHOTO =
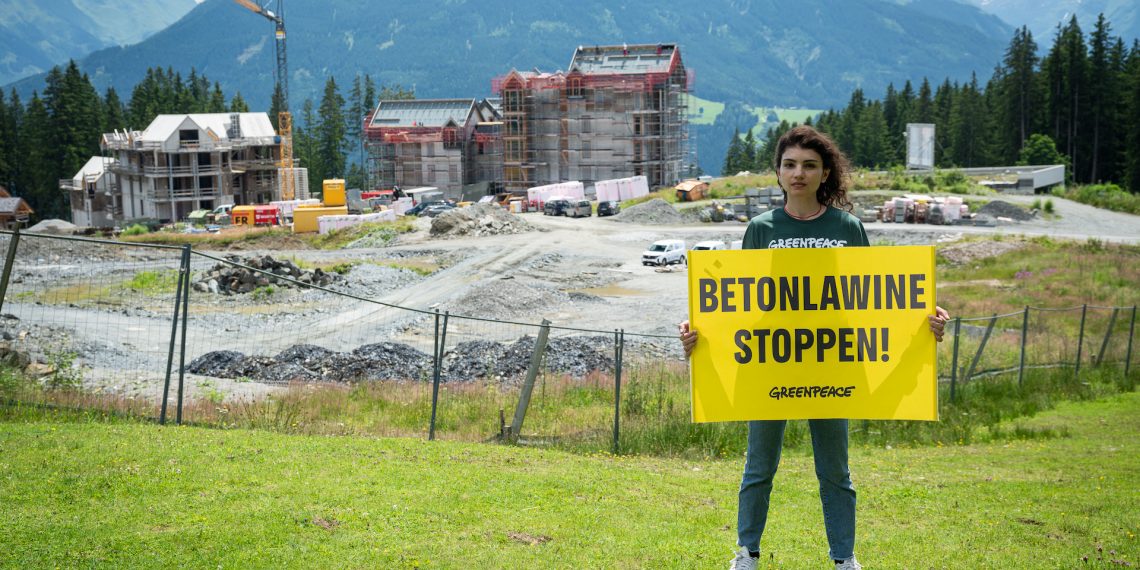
781,52
1042,20
34,36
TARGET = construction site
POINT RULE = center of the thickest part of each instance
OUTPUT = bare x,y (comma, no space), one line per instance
618,111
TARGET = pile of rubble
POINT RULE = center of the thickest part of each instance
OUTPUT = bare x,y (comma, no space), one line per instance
655,211
239,276
478,220
1000,209
465,362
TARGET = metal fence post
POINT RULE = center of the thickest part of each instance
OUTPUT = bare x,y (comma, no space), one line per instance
528,384
1131,329
981,348
619,348
1081,340
1107,336
185,272
1024,333
8,261
173,338
954,358
440,343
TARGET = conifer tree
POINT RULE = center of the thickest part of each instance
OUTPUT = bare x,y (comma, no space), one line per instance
217,101
7,142
1066,74
1104,96
735,155
16,147
1018,83
1131,123
238,104
749,148
871,140
305,147
331,131
37,176
114,115
941,110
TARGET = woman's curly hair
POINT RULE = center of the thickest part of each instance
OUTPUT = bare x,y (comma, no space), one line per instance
833,191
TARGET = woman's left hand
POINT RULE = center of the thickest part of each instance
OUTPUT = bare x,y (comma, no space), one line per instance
938,322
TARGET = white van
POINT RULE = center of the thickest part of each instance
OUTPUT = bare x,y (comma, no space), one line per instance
709,245
664,252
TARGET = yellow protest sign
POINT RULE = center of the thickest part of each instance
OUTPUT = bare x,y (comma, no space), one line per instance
813,333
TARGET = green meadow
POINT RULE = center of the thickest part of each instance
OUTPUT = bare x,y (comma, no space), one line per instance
84,491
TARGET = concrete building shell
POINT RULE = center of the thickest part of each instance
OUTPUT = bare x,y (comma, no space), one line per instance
619,112
178,164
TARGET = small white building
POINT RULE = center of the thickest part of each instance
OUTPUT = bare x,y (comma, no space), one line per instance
178,164
91,192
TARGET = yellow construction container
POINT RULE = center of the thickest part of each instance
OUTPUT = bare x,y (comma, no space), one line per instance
333,192
305,219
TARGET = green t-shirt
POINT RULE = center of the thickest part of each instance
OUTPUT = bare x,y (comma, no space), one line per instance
776,229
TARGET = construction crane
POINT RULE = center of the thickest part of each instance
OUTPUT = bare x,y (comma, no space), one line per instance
284,117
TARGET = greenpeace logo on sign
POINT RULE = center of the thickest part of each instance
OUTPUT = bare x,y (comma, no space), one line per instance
780,392
806,243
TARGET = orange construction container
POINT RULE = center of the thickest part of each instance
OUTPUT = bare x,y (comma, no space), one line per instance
257,215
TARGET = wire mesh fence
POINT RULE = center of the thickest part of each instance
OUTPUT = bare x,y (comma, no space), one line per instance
186,336
109,331
1013,343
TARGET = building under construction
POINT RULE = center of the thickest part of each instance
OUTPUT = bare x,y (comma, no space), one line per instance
446,143
618,111
180,163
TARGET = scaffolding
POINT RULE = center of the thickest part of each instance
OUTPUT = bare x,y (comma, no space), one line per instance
620,111
448,152
596,124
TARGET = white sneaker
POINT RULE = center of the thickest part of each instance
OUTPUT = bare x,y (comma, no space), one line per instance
743,561
849,564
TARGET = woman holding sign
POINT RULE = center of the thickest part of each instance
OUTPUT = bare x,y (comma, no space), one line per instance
813,174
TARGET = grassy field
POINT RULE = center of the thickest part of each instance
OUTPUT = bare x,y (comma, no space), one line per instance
86,492
703,111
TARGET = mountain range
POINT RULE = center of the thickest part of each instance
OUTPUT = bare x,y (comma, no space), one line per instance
1042,18
764,52
34,36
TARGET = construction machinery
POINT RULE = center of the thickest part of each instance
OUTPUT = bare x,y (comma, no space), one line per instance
284,117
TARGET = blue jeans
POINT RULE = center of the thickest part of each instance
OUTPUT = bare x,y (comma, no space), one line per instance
829,445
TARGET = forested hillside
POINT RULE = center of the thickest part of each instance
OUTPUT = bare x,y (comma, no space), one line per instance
1078,103
773,52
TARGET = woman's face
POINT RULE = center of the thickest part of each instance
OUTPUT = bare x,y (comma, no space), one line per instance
801,172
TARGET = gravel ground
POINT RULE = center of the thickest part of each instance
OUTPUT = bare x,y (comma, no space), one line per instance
582,273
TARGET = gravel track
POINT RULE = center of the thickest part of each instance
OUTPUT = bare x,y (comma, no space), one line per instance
580,273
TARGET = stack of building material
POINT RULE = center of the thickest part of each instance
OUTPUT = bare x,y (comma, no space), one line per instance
327,224
619,189
287,206
539,195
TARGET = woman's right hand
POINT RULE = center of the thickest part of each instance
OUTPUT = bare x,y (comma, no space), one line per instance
688,337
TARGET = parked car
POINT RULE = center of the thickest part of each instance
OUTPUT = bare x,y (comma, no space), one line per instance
419,208
580,209
435,209
557,207
709,245
608,208
220,215
664,252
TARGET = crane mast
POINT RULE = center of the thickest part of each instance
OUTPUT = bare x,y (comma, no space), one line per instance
284,117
